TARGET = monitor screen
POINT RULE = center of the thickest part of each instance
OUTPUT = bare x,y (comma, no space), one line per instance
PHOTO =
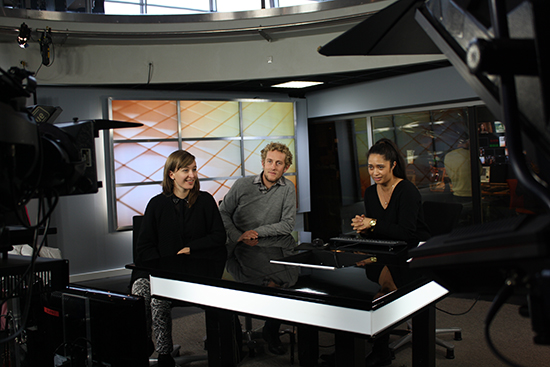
108,326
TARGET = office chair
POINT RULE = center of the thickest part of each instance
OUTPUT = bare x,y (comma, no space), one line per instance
251,335
517,202
180,360
441,218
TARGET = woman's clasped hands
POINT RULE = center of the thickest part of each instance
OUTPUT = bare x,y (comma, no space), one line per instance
360,223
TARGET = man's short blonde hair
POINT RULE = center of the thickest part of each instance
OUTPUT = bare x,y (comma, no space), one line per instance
280,148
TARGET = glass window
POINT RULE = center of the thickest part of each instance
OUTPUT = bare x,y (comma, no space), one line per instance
423,138
112,7
430,141
283,3
241,5
210,130
164,10
192,5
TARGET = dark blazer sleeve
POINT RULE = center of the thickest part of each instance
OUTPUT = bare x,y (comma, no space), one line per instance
147,247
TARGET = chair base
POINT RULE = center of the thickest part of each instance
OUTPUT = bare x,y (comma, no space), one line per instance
250,337
407,338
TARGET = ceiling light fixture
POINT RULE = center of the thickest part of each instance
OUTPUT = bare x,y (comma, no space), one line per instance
253,100
24,35
296,84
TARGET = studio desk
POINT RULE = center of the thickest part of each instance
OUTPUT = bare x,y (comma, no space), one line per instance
320,294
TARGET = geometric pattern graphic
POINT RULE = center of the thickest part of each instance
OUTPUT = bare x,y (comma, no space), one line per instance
141,162
209,119
159,119
132,200
210,130
268,119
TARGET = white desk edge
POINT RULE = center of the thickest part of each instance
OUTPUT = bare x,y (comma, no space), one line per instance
367,322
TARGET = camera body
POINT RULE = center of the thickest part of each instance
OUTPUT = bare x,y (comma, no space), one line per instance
39,157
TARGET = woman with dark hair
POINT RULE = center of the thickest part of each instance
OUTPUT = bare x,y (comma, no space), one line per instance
393,205
180,222
393,210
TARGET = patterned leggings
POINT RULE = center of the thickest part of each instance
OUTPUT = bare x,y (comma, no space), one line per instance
158,314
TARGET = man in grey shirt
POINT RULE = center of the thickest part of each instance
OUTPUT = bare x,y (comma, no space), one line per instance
262,206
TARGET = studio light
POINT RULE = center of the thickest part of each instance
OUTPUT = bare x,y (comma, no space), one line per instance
24,35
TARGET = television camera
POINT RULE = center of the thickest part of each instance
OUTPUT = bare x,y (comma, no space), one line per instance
40,158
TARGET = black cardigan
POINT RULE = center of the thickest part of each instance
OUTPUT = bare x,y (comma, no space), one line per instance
162,235
403,219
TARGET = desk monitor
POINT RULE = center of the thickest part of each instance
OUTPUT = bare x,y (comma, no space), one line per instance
107,327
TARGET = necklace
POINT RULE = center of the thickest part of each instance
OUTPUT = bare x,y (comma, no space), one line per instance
387,199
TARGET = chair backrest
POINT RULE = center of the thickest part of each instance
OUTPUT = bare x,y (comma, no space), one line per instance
441,217
136,224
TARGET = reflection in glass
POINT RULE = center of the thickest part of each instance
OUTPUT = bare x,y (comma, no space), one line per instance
424,138
250,262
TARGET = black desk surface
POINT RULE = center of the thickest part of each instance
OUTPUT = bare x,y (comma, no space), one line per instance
342,300
249,268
